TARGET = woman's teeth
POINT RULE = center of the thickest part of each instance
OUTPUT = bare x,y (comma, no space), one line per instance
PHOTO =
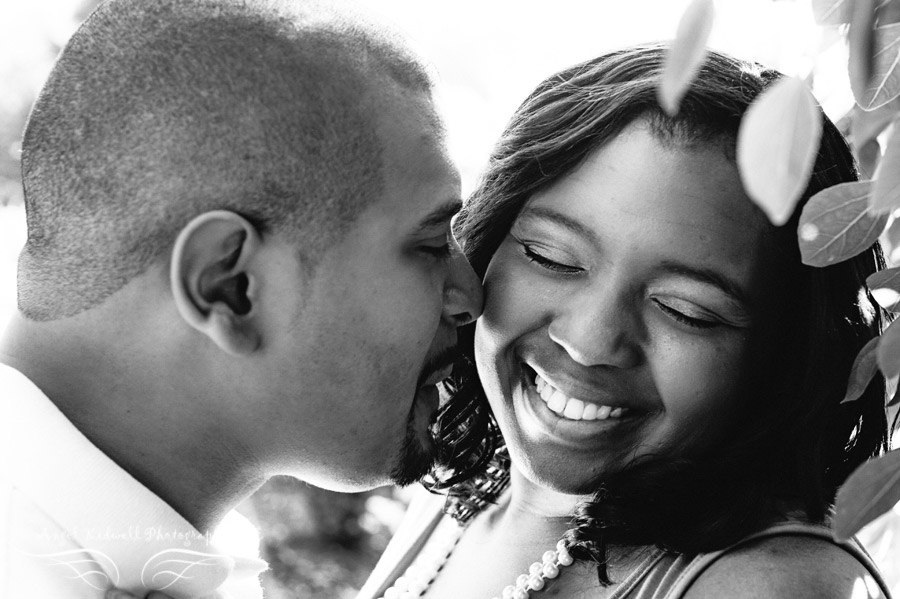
571,408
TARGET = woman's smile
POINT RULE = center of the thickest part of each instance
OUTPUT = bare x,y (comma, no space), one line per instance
572,408
581,424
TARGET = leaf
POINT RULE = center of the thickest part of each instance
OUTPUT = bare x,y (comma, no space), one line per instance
886,187
888,12
884,286
864,368
872,490
866,125
839,12
686,54
889,351
776,148
884,82
862,129
862,46
891,241
836,224
832,12
867,158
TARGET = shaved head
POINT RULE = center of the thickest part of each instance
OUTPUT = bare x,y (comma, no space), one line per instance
158,111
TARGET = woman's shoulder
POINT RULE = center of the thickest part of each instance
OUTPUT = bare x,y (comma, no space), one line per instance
788,564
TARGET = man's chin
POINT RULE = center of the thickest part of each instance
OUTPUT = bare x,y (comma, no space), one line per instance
412,470
416,457
415,460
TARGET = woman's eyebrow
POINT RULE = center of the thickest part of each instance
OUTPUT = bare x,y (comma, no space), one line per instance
561,220
710,277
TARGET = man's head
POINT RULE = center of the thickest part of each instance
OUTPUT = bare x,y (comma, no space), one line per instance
157,112
255,200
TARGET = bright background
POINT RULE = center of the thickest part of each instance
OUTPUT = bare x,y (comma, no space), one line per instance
488,55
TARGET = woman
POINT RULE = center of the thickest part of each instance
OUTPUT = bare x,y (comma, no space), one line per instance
665,373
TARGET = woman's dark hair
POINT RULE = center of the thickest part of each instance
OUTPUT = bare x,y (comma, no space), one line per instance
795,442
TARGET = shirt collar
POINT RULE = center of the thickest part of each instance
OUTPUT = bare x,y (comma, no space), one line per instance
138,539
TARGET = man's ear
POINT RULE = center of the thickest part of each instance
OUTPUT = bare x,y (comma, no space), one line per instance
211,281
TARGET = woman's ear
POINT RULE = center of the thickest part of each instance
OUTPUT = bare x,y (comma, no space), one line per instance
212,281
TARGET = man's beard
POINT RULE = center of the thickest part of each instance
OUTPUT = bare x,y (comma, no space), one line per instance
415,460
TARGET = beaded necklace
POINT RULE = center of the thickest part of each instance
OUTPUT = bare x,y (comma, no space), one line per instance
434,556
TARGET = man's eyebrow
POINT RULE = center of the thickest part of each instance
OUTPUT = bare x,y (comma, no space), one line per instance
710,277
440,216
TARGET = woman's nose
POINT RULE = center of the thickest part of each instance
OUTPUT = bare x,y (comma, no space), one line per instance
598,328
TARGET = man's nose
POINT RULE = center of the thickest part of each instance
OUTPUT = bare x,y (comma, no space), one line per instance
463,295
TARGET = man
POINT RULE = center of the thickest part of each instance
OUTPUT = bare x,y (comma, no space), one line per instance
239,264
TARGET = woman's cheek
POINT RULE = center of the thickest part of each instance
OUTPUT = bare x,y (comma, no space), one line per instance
504,294
699,388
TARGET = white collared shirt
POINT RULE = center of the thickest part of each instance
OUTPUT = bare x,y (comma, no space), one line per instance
73,523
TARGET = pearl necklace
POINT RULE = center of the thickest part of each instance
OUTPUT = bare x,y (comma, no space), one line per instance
434,556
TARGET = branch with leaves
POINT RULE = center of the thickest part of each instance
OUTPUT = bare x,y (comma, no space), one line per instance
776,148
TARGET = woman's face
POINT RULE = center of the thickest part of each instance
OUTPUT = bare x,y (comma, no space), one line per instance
619,309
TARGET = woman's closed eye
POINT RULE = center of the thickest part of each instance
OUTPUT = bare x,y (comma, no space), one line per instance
543,259
685,313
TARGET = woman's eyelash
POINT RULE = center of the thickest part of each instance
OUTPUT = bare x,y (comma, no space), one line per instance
548,263
689,321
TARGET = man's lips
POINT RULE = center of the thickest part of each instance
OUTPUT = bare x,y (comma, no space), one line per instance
438,376
427,395
438,366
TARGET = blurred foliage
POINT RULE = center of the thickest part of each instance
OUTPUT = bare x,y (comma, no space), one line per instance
318,543
840,222
10,132
13,112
